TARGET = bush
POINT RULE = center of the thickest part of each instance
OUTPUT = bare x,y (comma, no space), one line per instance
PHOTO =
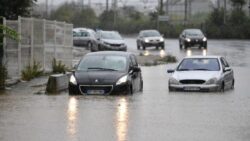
32,71
58,67
168,59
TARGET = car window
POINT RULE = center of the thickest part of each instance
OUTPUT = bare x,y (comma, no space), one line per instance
224,62
206,64
114,62
152,33
111,35
133,60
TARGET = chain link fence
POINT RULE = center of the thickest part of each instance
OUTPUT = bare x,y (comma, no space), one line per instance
40,40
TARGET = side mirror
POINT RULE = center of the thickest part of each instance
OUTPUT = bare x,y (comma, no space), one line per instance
136,69
226,69
170,71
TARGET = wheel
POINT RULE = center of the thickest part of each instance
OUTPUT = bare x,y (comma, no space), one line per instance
170,89
89,45
205,46
141,87
138,46
157,47
143,47
180,45
232,86
222,88
162,47
130,91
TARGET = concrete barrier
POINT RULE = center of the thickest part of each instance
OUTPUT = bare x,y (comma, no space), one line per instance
57,83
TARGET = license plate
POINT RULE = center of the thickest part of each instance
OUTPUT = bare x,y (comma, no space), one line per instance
95,92
191,88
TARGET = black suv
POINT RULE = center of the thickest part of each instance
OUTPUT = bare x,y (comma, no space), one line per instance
191,37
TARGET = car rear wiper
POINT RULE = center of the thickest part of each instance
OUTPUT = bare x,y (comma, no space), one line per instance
99,68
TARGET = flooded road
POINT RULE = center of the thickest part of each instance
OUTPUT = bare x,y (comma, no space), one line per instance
153,115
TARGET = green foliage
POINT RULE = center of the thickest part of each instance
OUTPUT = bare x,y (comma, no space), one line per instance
58,66
11,9
238,4
32,71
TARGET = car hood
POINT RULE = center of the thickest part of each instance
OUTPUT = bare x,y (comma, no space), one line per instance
97,77
201,75
153,38
112,41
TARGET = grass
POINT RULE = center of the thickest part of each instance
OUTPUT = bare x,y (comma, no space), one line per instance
58,67
32,71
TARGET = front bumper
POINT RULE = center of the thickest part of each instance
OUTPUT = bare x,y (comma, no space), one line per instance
149,44
113,48
194,42
114,89
194,87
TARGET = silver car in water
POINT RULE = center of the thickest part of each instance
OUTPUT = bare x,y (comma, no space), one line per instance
202,73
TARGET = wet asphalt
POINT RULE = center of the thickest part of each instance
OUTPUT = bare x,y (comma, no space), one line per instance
152,115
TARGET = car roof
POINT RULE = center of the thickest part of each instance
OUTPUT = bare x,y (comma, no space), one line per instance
201,56
119,53
82,29
149,30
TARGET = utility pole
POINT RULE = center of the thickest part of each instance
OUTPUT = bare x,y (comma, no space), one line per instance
218,3
107,5
46,8
225,11
185,10
161,12
115,11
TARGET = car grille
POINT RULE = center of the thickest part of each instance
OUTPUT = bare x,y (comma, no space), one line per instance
192,81
154,40
115,45
106,88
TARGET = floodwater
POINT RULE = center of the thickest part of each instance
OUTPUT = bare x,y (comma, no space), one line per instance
152,115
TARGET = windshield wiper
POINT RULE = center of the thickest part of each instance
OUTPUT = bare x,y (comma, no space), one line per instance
183,69
99,68
202,69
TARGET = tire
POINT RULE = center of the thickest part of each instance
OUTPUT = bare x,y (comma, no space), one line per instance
89,45
157,47
130,91
222,88
232,86
170,89
163,47
138,46
141,88
143,47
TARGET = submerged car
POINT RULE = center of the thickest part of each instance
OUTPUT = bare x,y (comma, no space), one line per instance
148,38
202,73
192,37
84,37
106,72
109,41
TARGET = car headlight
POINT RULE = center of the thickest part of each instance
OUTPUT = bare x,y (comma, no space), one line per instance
173,81
211,81
73,80
187,39
161,39
204,39
146,40
122,80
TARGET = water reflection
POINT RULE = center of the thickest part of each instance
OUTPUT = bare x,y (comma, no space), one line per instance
204,52
72,117
122,119
146,53
189,52
162,53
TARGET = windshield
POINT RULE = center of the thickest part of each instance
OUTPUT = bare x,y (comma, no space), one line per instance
103,63
151,33
111,35
194,32
206,64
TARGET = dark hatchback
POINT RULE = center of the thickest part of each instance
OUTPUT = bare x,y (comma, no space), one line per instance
192,37
106,72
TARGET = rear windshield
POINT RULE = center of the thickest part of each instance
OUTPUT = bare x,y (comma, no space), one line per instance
203,64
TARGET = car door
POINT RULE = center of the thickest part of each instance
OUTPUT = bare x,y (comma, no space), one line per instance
82,38
136,76
228,75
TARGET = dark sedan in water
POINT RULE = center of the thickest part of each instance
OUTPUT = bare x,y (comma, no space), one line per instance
106,72
192,37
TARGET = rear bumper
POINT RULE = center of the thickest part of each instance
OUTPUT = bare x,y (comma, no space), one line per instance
205,88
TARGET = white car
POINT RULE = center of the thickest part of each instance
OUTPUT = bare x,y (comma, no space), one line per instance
202,73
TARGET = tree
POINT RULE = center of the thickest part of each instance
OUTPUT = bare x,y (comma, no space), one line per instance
11,9
85,18
238,4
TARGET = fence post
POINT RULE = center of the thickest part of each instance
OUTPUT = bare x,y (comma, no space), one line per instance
19,46
44,44
4,43
32,41
55,40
